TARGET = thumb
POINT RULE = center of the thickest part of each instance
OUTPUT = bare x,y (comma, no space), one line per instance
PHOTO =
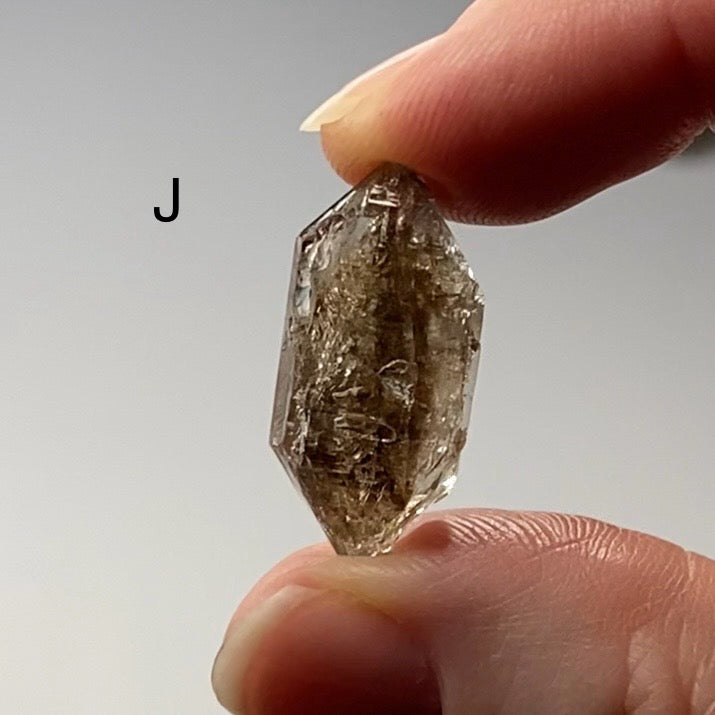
522,109
479,612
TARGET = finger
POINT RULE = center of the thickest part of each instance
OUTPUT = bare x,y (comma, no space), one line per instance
521,109
480,612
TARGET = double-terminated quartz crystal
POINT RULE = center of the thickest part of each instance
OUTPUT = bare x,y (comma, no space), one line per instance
378,361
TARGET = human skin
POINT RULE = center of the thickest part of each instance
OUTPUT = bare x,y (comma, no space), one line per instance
518,111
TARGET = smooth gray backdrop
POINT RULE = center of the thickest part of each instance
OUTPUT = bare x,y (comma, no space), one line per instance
139,499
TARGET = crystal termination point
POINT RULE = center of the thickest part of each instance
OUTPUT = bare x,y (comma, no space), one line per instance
378,361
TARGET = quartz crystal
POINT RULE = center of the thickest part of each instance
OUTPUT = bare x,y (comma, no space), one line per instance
378,361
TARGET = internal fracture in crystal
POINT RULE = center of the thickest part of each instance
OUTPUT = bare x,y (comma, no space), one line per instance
378,361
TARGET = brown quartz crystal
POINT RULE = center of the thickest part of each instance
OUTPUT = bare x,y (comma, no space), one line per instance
378,361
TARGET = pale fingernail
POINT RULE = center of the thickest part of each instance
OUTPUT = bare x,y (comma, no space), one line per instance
350,95
242,639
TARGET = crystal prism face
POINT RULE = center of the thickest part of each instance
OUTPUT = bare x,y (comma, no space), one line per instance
378,361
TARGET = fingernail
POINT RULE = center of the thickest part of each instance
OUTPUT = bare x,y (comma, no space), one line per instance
243,637
324,652
352,93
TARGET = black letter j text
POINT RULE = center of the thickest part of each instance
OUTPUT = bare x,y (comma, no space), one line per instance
175,207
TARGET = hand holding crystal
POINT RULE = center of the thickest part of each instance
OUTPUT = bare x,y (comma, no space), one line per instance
517,111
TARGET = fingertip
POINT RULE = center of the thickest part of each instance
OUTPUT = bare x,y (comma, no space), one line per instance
356,144
518,112
344,101
293,569
309,651
244,637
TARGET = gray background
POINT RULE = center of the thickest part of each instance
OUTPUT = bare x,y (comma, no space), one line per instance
139,498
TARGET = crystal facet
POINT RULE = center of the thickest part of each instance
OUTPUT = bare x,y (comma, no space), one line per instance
378,361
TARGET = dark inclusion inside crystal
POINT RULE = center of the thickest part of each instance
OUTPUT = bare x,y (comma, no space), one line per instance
378,361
